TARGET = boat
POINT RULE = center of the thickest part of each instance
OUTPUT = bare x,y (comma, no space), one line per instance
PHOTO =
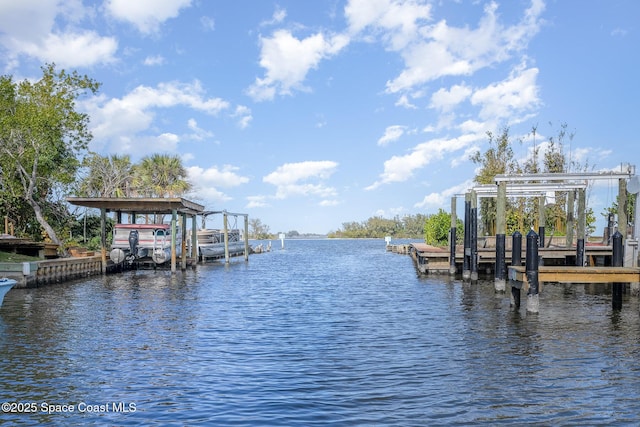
140,242
5,285
211,243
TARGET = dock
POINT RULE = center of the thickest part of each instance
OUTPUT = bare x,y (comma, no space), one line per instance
437,260
567,274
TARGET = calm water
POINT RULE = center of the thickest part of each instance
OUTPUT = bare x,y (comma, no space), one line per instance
323,332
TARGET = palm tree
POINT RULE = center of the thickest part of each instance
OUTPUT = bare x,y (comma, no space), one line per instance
160,175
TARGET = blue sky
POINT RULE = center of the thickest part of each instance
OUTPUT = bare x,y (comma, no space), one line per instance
309,114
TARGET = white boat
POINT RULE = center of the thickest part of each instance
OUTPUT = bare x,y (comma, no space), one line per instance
137,242
5,285
211,243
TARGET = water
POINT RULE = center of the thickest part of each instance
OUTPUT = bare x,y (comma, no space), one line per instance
324,332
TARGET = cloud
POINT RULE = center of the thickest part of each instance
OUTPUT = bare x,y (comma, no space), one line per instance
401,168
207,182
198,133
446,100
134,112
120,123
207,23
403,101
440,50
278,16
154,60
72,49
516,94
257,202
244,116
146,15
297,179
397,22
33,28
287,60
443,198
391,133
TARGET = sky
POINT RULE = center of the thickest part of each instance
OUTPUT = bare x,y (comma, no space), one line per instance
311,114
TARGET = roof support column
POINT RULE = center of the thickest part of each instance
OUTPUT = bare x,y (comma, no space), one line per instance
500,283
174,215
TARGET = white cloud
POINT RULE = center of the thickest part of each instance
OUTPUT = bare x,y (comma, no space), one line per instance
517,94
287,60
446,100
154,60
292,179
198,133
443,50
443,198
30,27
207,182
278,16
225,177
256,202
401,168
403,101
397,21
207,23
391,133
134,112
146,15
244,116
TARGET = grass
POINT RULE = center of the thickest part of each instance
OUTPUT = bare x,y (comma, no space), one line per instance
11,257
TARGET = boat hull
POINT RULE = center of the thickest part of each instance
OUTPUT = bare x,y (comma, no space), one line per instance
5,286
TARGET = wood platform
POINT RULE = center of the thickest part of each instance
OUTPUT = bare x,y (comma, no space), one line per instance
433,259
569,274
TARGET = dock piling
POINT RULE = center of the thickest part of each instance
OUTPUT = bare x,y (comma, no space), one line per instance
531,266
617,289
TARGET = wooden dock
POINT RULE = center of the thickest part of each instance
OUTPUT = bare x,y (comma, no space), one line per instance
437,260
568,274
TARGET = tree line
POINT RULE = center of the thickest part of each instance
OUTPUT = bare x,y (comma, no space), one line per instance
409,226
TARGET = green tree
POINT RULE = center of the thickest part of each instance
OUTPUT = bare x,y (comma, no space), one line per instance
437,228
106,176
160,175
498,159
42,137
258,230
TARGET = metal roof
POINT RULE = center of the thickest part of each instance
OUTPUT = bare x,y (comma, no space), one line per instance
156,205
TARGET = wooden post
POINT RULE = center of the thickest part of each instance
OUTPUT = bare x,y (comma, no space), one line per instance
500,283
516,260
474,235
617,289
582,225
183,249
174,214
194,240
246,237
103,239
453,237
531,267
622,208
543,220
466,255
571,196
226,236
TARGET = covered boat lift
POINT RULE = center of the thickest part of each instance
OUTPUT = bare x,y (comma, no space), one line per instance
146,206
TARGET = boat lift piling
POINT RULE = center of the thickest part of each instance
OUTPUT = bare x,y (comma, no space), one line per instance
532,263
617,288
